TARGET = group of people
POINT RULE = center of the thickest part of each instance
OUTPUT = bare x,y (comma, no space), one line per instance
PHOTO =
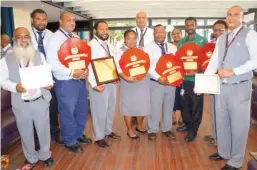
147,98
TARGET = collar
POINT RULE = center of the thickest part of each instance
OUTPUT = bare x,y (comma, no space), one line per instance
35,30
160,43
65,31
193,37
139,30
235,31
6,47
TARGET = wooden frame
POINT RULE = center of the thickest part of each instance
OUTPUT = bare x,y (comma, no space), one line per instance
100,73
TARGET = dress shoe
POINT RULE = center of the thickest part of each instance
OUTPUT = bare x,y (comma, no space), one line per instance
216,157
180,123
76,148
182,128
169,135
151,136
113,136
49,162
85,140
133,137
212,143
59,140
208,138
174,123
229,167
143,132
102,143
189,138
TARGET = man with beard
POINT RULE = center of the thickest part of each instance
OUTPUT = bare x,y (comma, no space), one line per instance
6,47
29,106
40,37
105,94
192,104
70,88
144,33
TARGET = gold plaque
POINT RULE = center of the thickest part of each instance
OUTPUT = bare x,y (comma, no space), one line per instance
174,77
105,70
190,65
137,71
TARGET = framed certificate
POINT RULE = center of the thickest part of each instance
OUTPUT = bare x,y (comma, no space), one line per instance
105,70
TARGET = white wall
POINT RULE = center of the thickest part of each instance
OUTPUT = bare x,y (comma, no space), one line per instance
21,17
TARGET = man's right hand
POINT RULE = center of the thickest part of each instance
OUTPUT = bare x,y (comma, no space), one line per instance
99,88
20,88
78,73
163,81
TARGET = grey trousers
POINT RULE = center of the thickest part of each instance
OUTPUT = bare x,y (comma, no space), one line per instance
233,121
162,101
213,116
37,112
102,110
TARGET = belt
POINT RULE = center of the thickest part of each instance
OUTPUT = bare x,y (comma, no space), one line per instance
225,83
32,99
153,79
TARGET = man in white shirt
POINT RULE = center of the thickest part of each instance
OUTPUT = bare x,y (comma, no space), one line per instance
40,36
6,47
70,88
162,95
29,105
102,97
234,58
144,33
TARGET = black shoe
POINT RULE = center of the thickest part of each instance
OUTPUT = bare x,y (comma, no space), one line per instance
102,143
76,148
182,128
180,123
208,138
59,140
189,138
133,137
85,140
216,157
143,132
229,167
174,123
169,135
49,162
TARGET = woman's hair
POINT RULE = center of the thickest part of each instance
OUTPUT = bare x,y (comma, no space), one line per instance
129,31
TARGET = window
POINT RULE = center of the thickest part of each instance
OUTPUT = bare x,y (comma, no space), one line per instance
164,22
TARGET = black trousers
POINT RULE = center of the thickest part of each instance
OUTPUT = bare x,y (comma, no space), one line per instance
192,108
53,115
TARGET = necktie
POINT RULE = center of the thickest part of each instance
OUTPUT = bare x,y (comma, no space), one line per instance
141,41
40,43
162,48
230,38
70,35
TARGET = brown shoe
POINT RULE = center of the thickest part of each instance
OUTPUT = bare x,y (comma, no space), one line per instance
102,143
151,136
169,135
114,136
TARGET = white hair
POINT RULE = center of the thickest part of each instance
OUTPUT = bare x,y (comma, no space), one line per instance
24,53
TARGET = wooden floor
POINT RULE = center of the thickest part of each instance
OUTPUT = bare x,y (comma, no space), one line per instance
128,154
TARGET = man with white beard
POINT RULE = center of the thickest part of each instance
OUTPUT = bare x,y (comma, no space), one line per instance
29,106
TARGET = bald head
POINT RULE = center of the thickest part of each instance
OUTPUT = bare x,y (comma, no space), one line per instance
5,40
235,16
67,21
141,19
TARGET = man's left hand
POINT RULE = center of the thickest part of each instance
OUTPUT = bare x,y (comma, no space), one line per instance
224,73
48,87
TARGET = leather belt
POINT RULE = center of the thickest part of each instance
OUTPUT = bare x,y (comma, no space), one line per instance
225,83
32,99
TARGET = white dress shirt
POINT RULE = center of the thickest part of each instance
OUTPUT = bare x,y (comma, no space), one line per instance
9,85
154,52
97,51
148,37
60,72
47,34
251,64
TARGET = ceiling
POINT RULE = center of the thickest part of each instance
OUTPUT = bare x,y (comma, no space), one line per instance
155,8
104,9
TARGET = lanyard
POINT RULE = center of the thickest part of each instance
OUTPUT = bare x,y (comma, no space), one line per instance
38,35
106,50
165,48
142,36
64,33
228,45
